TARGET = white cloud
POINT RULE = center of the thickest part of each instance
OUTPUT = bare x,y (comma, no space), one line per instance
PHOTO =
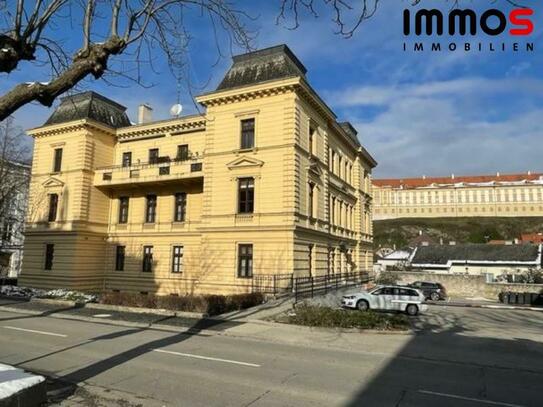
384,95
427,136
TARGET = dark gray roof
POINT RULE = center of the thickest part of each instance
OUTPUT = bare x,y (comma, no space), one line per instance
90,105
273,63
440,255
350,130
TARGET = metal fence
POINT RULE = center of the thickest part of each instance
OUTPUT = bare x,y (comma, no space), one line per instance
306,287
276,284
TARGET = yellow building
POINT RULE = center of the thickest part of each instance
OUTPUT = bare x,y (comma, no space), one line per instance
265,182
480,195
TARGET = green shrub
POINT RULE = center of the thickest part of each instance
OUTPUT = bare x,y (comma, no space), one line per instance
206,304
308,315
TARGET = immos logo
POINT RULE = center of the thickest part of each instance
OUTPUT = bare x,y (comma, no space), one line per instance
513,29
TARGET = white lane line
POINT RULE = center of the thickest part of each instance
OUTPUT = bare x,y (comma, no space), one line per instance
190,355
453,396
35,332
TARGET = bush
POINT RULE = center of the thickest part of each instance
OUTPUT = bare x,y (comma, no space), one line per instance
315,316
206,304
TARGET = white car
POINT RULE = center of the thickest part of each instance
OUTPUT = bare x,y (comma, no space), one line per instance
387,298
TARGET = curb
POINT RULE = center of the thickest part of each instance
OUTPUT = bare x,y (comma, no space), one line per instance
139,310
408,331
506,307
33,395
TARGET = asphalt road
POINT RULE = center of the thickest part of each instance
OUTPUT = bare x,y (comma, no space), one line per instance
459,357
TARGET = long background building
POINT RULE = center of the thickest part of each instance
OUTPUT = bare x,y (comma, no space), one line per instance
266,182
512,195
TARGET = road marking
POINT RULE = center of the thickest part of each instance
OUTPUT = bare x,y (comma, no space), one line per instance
453,396
35,332
190,355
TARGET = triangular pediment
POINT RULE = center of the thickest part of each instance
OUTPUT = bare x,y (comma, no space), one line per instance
314,169
52,182
244,162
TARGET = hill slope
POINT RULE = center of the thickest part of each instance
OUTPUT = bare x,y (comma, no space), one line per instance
462,230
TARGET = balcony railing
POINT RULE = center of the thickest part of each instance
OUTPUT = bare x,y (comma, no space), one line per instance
162,171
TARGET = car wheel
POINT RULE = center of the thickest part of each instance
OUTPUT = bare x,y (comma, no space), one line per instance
362,305
434,296
412,310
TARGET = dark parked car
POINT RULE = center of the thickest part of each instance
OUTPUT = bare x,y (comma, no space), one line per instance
431,291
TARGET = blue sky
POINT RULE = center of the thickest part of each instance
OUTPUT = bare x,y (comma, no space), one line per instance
417,113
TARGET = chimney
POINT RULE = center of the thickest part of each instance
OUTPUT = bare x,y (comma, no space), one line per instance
145,113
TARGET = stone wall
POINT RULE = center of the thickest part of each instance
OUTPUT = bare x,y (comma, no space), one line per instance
462,285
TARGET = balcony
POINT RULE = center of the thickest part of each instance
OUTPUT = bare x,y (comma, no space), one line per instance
162,172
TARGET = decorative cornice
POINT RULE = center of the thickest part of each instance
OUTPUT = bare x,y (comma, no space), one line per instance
248,93
177,126
69,127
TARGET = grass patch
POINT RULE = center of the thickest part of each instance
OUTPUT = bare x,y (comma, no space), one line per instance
206,304
309,315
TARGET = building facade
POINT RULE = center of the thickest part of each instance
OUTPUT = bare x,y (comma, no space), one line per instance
15,178
433,197
265,182
498,262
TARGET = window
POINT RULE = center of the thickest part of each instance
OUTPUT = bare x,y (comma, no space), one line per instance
153,156
49,255
7,231
245,260
147,259
310,202
127,159
180,207
123,209
53,205
183,152
247,133
119,258
246,195
57,162
150,210
311,140
332,211
177,259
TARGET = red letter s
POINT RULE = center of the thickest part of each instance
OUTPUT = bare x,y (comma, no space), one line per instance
527,23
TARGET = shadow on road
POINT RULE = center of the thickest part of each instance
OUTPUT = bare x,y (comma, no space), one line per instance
449,363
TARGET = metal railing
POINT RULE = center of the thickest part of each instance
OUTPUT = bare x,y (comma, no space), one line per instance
275,284
306,287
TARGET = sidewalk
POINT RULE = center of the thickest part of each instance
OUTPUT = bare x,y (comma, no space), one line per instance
246,324
481,303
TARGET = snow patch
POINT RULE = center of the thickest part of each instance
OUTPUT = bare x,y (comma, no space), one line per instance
58,294
13,381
